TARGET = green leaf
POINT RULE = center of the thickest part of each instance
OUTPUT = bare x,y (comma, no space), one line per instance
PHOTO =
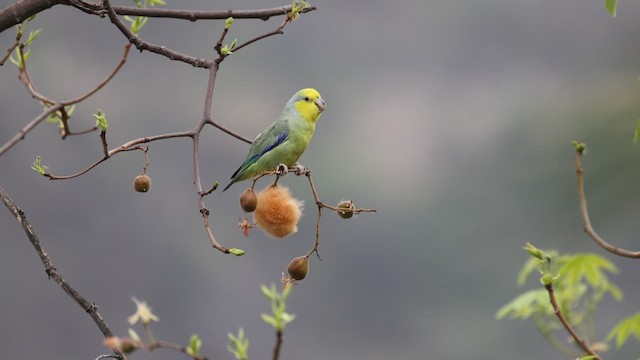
269,320
524,305
134,335
101,120
611,6
636,134
195,343
239,345
227,24
589,267
37,166
287,318
236,252
580,146
32,36
532,264
625,328
157,3
269,293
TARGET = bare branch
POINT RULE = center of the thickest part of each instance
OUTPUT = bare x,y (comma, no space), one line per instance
230,132
556,309
193,15
51,270
10,49
33,123
278,345
113,73
584,212
20,11
124,147
144,45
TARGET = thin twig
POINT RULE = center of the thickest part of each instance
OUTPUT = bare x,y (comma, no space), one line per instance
193,15
175,347
556,309
11,48
145,45
51,270
123,59
33,123
278,345
230,132
124,147
584,212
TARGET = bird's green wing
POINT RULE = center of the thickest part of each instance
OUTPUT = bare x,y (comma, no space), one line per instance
266,141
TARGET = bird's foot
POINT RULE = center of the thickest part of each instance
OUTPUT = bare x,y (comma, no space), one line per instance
300,169
282,169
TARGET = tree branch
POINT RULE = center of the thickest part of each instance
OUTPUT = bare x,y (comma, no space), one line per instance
584,212
193,15
556,309
144,45
51,270
124,147
21,10
33,123
18,12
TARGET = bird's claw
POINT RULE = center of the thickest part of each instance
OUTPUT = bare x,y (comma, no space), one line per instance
282,169
300,169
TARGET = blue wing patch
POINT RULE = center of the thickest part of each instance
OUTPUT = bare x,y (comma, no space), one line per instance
281,138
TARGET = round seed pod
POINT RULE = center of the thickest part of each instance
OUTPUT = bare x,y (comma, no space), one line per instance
142,183
348,206
298,268
248,200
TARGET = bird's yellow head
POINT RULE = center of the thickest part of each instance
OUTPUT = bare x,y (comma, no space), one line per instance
308,103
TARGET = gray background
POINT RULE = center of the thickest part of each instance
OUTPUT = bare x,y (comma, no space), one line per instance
452,118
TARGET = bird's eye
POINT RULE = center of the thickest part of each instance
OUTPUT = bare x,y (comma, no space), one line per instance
306,98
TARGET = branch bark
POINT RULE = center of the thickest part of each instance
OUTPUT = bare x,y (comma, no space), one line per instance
51,270
21,10
584,213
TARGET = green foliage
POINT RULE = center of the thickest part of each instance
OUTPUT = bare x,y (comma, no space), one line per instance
626,327
101,120
140,21
580,146
56,116
134,336
525,305
236,252
297,7
195,343
611,6
24,50
279,317
580,281
636,134
238,345
227,49
37,166
227,24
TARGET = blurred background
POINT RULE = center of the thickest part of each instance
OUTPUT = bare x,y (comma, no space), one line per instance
454,119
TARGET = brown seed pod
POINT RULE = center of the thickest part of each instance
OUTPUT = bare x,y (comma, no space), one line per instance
248,200
298,268
142,183
348,206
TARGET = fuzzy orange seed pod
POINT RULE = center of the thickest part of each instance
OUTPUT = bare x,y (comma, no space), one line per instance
277,212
